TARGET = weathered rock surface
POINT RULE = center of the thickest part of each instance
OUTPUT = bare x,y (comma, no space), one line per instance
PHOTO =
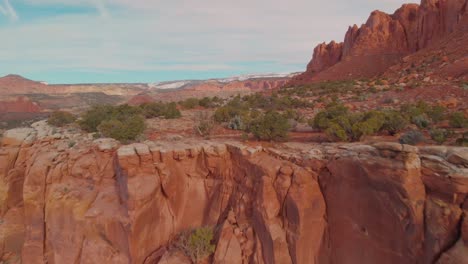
98,202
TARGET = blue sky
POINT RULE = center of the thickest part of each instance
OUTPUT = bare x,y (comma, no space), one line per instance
83,41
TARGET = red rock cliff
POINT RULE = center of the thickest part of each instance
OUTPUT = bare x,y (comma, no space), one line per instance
99,202
384,39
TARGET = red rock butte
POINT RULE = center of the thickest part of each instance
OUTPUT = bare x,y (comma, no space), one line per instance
369,50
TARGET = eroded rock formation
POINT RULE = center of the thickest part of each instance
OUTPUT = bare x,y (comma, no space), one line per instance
99,202
384,39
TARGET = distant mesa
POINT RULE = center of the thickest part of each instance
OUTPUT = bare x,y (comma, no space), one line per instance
19,105
16,84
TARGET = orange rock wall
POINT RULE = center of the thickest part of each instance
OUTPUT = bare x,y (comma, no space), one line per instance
385,203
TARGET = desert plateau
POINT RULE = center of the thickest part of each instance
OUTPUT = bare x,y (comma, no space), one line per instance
359,158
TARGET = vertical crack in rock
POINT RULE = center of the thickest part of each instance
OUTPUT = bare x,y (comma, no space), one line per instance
278,206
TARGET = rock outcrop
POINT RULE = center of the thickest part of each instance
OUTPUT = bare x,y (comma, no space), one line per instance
384,39
99,202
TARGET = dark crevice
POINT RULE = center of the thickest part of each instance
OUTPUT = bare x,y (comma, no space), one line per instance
453,243
44,239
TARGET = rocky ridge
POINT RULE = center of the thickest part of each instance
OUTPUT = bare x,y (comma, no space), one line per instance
69,199
369,50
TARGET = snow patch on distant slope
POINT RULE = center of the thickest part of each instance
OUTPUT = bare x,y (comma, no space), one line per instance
180,84
168,85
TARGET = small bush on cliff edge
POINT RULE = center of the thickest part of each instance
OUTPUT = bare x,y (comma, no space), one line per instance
60,118
270,126
122,130
412,137
123,122
196,243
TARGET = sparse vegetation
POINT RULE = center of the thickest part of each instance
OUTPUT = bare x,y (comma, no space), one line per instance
458,120
197,243
204,124
121,122
123,130
422,114
210,102
236,123
394,122
166,110
61,118
421,121
412,137
439,135
339,123
71,144
463,140
190,103
319,89
270,126
465,85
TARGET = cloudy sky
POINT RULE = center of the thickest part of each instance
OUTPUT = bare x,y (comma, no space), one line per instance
76,41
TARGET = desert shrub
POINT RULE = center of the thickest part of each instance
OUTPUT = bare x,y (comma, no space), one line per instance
60,118
337,131
204,124
209,102
367,124
422,114
93,117
463,140
171,111
458,120
124,129
394,122
190,103
412,137
71,144
421,121
236,123
338,122
436,113
275,102
168,111
226,113
439,135
388,101
294,115
123,122
323,119
270,126
196,244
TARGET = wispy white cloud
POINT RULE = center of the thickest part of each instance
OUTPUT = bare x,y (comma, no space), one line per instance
7,9
176,35
101,7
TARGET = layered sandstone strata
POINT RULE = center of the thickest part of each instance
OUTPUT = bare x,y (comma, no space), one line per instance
99,202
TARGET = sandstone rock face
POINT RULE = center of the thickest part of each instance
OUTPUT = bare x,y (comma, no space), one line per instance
385,197
325,56
384,39
99,202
